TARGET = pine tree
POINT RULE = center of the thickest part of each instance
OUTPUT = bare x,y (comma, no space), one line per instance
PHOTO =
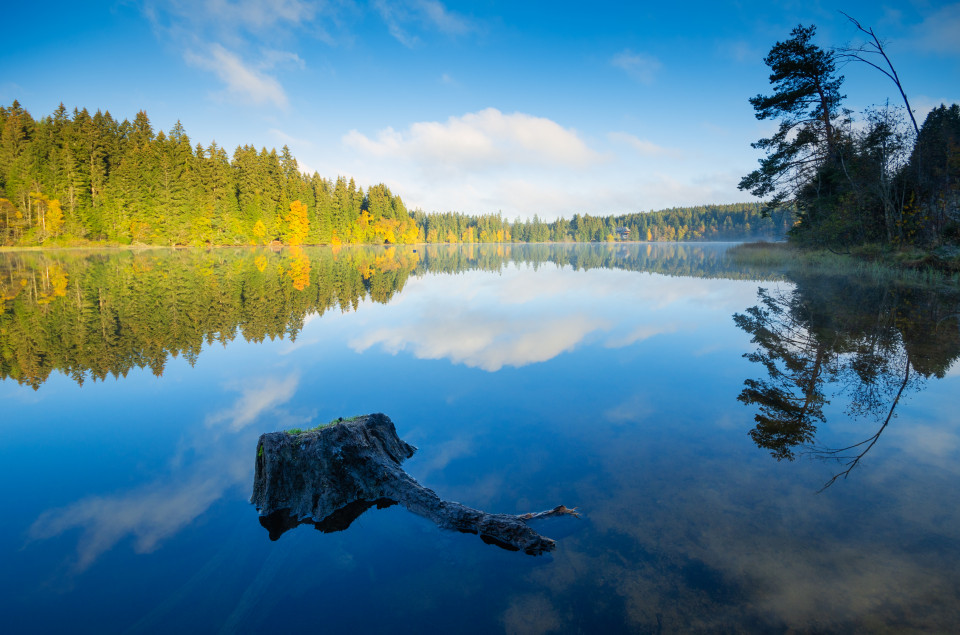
806,101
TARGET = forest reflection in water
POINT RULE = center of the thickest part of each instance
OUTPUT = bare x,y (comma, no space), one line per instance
92,315
603,377
828,335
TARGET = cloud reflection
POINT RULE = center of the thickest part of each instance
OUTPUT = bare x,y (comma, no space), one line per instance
254,401
158,510
150,515
521,316
639,334
482,341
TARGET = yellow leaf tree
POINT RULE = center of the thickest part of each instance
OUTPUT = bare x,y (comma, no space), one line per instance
54,217
297,224
49,214
259,231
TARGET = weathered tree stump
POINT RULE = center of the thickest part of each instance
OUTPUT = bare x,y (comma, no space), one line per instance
328,476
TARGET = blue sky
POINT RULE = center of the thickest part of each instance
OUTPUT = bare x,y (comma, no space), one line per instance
551,108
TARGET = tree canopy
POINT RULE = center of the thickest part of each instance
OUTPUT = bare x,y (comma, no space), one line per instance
806,101
853,182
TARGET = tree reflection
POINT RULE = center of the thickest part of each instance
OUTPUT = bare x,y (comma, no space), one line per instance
95,314
870,344
791,401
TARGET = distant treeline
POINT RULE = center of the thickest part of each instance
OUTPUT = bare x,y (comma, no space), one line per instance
71,178
739,221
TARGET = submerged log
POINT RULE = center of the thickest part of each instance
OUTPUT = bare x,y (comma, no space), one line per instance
328,476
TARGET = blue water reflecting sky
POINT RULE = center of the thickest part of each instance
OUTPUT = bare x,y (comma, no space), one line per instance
613,391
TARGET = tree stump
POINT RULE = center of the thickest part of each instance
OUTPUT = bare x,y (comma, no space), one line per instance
330,475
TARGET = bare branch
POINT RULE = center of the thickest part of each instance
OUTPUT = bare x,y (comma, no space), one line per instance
857,54
870,440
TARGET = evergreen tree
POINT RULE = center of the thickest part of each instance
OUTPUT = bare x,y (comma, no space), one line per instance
801,162
934,173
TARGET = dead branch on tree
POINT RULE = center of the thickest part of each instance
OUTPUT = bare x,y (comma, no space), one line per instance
874,47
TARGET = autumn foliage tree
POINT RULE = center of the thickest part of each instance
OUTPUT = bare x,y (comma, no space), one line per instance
298,225
49,214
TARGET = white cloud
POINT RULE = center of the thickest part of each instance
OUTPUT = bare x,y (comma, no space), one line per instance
290,140
617,184
489,326
639,66
445,21
642,146
241,80
488,138
270,58
233,20
262,14
938,33
522,164
402,18
392,16
212,33
922,105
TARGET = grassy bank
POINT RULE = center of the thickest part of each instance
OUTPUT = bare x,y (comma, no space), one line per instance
911,266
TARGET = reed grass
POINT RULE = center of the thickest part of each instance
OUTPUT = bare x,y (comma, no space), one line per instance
870,263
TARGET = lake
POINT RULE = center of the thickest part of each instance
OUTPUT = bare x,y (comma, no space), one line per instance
748,450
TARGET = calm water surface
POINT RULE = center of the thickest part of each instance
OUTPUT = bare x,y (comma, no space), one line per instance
614,379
